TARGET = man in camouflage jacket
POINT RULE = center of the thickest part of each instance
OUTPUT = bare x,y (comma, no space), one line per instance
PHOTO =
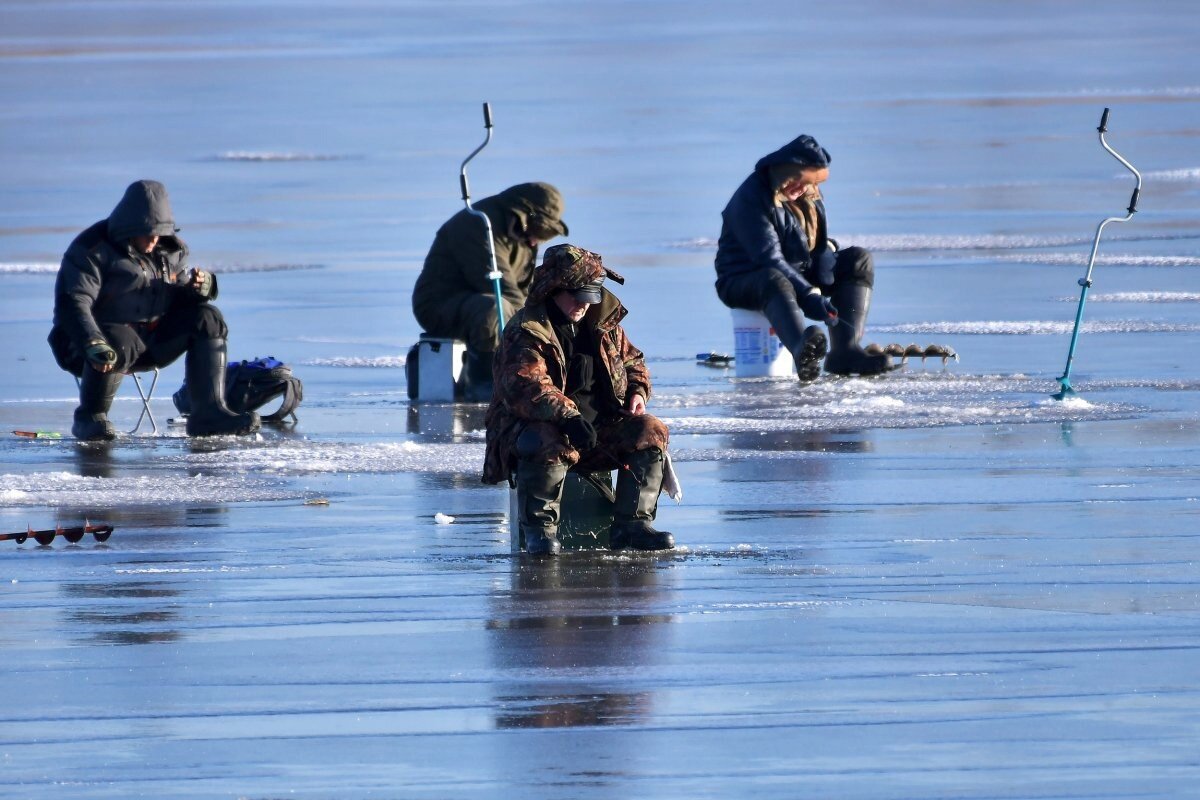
571,392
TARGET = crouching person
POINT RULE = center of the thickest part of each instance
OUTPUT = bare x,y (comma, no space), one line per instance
570,393
125,300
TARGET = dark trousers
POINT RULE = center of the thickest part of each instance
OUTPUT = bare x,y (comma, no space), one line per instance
769,291
616,438
142,347
469,317
754,290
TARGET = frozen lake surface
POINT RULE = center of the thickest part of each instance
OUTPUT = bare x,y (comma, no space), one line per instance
942,584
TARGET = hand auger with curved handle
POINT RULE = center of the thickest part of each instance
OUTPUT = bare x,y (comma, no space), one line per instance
494,273
1086,281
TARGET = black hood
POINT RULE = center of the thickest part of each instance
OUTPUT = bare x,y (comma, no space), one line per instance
803,150
143,211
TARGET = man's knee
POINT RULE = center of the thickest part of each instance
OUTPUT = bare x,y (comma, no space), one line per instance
855,265
480,317
541,442
210,322
642,432
778,283
127,343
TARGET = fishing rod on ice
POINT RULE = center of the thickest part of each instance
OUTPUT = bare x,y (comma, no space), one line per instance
1086,281
494,275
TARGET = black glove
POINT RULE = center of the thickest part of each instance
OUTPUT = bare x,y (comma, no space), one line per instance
99,353
817,306
580,433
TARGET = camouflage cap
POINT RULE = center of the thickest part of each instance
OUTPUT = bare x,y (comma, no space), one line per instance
566,266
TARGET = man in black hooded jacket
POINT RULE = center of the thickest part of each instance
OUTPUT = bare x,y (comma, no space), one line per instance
124,301
775,256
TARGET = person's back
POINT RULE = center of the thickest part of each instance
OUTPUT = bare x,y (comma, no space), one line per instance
455,298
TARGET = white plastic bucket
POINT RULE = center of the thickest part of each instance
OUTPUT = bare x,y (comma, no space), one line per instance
439,365
757,350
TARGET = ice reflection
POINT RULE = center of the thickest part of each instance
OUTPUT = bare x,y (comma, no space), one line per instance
445,422
104,613
572,632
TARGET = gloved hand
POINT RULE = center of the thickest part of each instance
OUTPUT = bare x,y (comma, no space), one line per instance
817,306
580,433
100,354
199,281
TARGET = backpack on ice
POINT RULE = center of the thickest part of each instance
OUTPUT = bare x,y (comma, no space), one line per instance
250,385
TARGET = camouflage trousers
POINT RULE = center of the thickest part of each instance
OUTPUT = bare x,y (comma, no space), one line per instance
616,438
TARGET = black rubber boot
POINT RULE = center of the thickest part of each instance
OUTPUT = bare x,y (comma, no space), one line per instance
209,416
539,501
846,354
636,504
807,345
96,392
477,377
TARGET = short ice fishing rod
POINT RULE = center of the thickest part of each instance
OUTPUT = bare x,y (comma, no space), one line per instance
1086,281
494,275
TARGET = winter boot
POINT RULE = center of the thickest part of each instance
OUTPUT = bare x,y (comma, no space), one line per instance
539,500
209,416
96,392
846,354
477,377
808,356
806,344
636,504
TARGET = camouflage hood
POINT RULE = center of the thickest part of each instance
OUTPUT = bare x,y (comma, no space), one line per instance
566,266
536,205
145,210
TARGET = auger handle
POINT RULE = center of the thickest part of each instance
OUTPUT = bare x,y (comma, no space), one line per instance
487,115
1103,122
1133,200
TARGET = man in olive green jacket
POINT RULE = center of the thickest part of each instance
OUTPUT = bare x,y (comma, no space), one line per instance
453,296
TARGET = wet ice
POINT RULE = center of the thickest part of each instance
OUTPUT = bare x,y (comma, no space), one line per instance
941,584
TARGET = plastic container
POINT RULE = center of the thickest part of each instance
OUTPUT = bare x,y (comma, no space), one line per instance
757,351
433,368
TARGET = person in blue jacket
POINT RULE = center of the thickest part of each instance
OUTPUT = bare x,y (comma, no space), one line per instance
775,256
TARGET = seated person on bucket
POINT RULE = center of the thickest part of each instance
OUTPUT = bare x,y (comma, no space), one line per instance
571,392
775,256
124,300
454,298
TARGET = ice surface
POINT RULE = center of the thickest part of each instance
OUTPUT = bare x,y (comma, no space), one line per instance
939,584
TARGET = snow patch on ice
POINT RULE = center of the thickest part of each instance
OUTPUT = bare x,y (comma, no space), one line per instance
1191,174
1081,259
66,489
267,155
386,362
27,269
869,403
1138,297
291,458
233,268
911,242
1032,327
1074,402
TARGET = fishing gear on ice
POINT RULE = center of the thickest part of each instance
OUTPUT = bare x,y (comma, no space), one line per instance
72,535
1086,281
250,385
